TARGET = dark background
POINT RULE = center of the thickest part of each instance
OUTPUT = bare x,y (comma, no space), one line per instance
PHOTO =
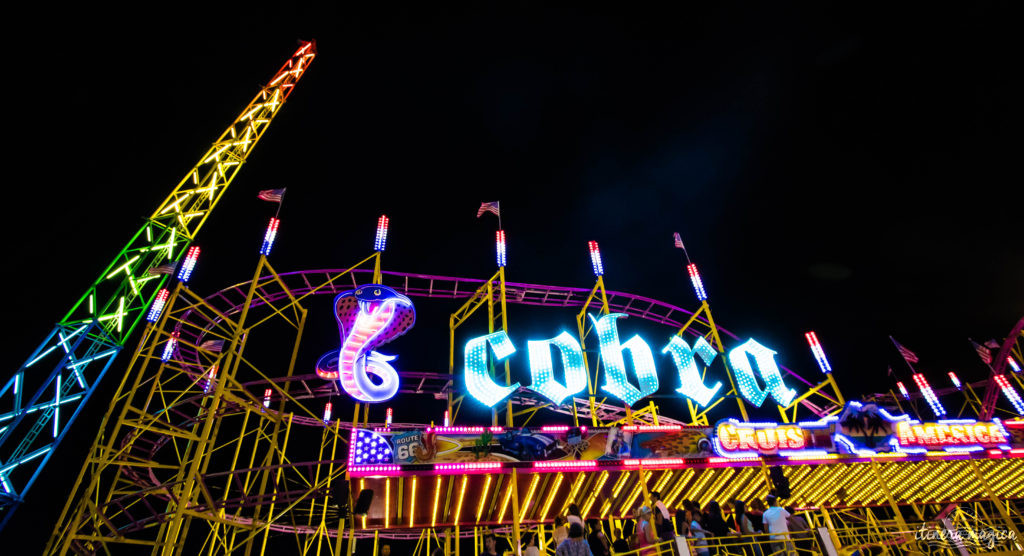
851,170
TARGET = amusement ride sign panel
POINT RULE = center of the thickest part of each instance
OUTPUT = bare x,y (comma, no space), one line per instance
373,315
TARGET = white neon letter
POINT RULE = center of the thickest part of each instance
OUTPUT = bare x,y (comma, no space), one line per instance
614,366
478,380
769,371
691,384
542,371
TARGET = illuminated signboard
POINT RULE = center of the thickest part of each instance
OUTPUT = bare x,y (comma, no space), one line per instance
553,448
737,439
866,429
950,433
749,361
367,318
767,440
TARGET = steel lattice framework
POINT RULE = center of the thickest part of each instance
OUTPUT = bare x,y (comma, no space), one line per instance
193,438
50,388
214,444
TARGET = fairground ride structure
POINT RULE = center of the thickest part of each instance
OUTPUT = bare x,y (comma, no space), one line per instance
216,443
40,401
209,449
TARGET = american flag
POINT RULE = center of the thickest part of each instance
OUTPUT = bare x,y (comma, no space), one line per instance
491,207
908,356
983,352
166,268
212,345
678,240
272,195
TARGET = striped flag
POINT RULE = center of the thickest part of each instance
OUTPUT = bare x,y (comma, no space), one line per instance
272,195
166,268
908,356
212,345
491,207
983,352
678,241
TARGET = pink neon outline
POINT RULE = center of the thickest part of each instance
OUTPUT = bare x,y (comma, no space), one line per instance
573,464
476,467
652,428
465,430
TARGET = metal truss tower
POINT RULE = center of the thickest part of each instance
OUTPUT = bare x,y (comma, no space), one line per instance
39,403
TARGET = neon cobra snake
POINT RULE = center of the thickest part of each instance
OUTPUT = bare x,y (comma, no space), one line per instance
368,317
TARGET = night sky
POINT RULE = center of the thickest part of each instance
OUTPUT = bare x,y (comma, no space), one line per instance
846,170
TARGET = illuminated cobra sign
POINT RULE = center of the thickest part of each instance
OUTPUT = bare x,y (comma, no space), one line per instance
367,317
748,361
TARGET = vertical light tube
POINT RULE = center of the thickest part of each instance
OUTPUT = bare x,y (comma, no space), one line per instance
595,258
269,236
381,240
500,248
819,353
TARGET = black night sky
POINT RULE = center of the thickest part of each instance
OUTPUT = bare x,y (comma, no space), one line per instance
842,169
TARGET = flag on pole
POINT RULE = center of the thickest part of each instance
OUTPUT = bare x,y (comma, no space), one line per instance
983,352
992,344
166,268
272,195
678,241
212,345
491,207
908,356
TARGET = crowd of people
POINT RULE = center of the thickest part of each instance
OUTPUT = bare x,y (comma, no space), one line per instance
752,527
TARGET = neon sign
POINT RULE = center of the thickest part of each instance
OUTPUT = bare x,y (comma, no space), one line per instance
742,437
950,433
367,317
485,390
